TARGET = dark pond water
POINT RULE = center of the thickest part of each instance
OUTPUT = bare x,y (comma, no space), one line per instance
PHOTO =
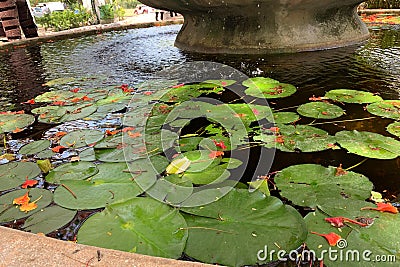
134,56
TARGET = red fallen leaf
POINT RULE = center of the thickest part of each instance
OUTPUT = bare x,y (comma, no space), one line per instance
127,129
29,183
314,98
75,90
332,238
17,130
215,154
148,93
76,99
60,134
59,149
22,199
43,115
58,103
126,89
274,129
178,85
86,98
383,207
340,171
324,113
220,144
30,102
134,135
223,83
255,111
339,222
108,132
279,139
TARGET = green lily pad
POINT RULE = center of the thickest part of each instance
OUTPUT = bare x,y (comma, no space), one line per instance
48,219
221,82
394,128
9,211
215,174
258,82
241,218
320,110
370,145
172,190
140,225
122,153
115,97
387,109
81,138
58,95
309,184
10,122
14,174
358,243
60,81
352,96
285,117
271,90
290,138
72,171
34,147
59,114
181,94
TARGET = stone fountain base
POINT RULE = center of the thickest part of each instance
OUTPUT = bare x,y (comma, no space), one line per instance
268,26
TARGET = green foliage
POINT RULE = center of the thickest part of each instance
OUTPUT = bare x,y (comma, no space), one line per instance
67,19
107,11
383,4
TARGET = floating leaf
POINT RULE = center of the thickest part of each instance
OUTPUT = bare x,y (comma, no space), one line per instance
368,144
48,220
290,138
309,184
34,147
81,138
210,175
14,174
387,109
178,166
259,82
271,90
171,189
10,122
285,117
352,96
140,225
239,218
320,110
44,165
71,171
58,96
221,82
394,128
60,81
8,211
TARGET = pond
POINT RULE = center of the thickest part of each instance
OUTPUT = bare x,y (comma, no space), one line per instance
135,56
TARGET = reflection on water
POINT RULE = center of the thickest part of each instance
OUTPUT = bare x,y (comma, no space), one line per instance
135,55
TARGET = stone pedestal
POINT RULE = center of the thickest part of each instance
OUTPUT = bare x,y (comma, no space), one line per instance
265,26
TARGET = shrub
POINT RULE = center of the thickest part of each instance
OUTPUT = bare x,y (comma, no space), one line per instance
383,3
67,19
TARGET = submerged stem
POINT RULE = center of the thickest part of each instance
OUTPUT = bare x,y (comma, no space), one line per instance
356,165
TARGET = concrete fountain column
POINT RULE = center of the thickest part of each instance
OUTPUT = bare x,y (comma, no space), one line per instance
265,26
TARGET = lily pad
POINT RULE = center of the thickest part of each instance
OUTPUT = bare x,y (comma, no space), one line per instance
271,90
290,138
215,174
285,117
9,212
81,138
352,96
14,174
241,218
58,95
59,114
48,219
72,171
140,225
387,109
221,82
259,82
320,110
394,128
60,81
10,122
34,147
171,189
368,144
308,185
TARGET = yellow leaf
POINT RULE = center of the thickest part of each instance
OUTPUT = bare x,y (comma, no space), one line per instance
28,206
178,166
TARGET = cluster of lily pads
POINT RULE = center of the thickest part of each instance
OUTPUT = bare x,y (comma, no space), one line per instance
158,161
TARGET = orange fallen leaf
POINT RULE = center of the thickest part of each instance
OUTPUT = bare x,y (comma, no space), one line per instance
128,129
332,238
58,103
383,207
17,130
339,221
274,129
240,115
340,171
22,199
60,134
178,85
26,207
108,132
29,183
30,102
279,139
59,149
86,98
148,93
75,90
134,135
